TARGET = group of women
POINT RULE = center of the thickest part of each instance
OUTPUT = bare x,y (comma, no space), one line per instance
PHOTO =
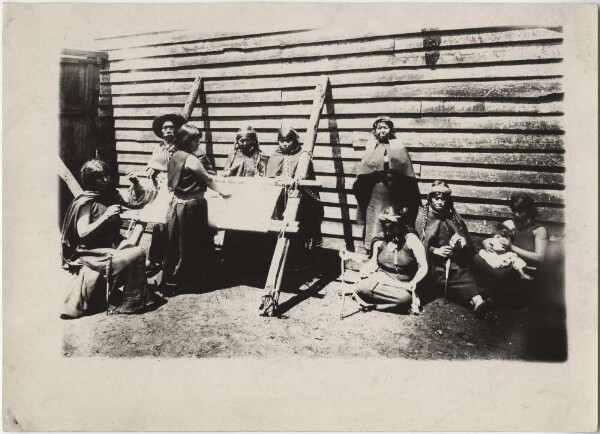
426,251
415,251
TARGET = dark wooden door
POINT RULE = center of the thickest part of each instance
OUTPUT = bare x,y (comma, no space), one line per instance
79,90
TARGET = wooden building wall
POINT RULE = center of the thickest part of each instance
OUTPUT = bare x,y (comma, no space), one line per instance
480,107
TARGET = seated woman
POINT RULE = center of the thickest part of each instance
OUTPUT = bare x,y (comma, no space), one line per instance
283,163
188,236
529,242
398,263
449,251
246,250
246,159
90,234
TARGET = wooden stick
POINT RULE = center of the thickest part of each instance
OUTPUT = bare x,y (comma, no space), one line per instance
67,176
188,108
272,287
108,278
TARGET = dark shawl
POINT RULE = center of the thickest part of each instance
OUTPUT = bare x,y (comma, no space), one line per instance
70,238
241,164
398,175
432,229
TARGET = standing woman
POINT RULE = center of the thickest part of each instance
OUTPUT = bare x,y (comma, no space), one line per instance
398,263
188,248
283,163
530,242
384,177
450,251
246,159
246,249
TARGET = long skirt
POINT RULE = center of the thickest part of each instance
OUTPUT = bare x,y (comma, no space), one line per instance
374,292
129,291
189,247
462,285
381,198
158,243
504,284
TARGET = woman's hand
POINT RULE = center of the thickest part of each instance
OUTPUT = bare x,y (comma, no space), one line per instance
124,244
112,212
457,241
225,194
369,268
444,251
133,178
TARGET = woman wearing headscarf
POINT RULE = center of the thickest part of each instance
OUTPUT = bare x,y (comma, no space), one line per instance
246,249
398,263
188,253
283,163
450,251
384,177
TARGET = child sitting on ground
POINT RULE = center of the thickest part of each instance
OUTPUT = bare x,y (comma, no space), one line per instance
500,257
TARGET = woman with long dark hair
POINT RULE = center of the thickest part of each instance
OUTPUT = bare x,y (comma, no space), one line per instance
450,251
250,251
398,263
246,159
283,164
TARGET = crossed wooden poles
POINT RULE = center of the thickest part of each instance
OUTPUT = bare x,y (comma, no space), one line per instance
288,226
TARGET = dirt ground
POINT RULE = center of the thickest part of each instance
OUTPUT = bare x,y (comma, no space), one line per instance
225,322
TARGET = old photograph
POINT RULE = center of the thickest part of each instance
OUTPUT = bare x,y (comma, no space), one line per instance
320,176
297,190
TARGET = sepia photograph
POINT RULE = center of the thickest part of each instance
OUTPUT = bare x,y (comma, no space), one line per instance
273,188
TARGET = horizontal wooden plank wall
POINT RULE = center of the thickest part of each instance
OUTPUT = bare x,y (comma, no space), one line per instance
479,107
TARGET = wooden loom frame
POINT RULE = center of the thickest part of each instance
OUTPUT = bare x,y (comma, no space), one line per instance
287,226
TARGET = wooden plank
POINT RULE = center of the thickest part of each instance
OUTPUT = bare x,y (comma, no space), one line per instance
429,140
490,90
499,193
521,123
466,159
341,78
151,39
494,89
278,67
486,158
482,38
181,44
219,58
487,176
292,53
392,108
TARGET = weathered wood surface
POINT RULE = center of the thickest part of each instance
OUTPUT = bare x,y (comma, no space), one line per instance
485,114
464,57
338,78
191,45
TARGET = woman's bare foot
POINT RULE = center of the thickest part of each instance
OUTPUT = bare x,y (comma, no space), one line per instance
363,305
